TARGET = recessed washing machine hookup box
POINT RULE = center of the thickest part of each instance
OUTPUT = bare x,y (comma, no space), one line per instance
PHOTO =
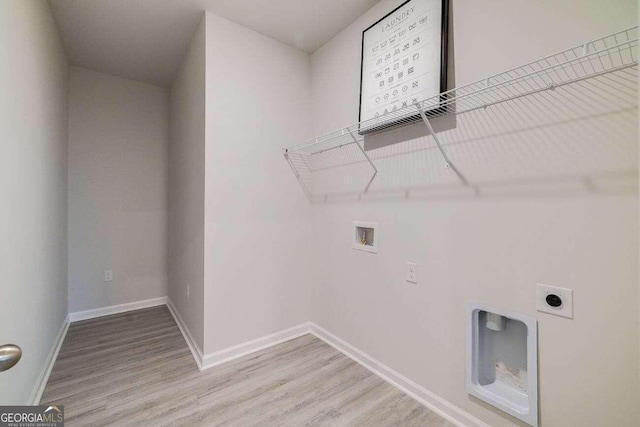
502,360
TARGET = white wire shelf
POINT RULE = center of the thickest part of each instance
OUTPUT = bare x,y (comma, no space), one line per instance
584,98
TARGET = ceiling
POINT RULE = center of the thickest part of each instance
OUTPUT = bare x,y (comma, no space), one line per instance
146,39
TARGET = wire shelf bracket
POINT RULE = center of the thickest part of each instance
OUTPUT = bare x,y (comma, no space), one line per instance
297,175
364,153
447,162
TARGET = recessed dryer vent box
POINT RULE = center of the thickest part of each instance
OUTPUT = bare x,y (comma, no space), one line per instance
365,237
502,360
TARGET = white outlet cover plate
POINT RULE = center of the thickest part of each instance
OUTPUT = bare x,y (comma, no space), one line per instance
108,275
412,272
565,310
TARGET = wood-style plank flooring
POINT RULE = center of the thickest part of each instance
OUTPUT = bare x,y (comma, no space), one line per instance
136,369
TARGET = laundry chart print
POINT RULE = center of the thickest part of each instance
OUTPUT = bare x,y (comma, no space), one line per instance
401,60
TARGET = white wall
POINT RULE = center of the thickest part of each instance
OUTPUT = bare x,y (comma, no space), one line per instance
482,249
33,184
118,139
257,234
186,187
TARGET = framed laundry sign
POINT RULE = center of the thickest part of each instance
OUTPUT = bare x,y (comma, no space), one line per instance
404,61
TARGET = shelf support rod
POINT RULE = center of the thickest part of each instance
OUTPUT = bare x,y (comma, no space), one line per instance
375,169
447,163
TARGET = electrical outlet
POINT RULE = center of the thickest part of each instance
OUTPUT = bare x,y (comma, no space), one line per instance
412,272
188,292
108,275
554,300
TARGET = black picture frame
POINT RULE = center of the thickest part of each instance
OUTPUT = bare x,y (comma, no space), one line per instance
444,57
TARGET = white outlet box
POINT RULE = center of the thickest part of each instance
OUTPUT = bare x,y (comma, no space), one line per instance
412,272
108,275
545,295
188,291
365,236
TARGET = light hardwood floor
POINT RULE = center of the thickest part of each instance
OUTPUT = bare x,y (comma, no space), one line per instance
136,369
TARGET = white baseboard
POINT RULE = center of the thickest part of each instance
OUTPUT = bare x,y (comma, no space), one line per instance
41,383
429,399
115,309
231,353
206,361
193,346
